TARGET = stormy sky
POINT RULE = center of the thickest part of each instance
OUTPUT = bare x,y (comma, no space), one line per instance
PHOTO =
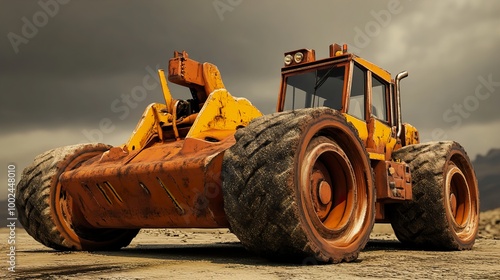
68,67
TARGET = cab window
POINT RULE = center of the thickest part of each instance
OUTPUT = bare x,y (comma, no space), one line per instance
379,89
316,88
357,98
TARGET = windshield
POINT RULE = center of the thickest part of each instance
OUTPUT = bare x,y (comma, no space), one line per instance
319,87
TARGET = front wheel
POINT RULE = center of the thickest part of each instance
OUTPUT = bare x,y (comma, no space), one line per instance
298,184
444,212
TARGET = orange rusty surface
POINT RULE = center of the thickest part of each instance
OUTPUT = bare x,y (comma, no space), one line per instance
184,71
380,216
393,181
175,184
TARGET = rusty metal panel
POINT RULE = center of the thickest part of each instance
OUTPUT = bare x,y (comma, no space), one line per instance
185,71
393,181
174,185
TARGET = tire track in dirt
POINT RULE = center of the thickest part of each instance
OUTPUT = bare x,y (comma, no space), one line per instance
217,254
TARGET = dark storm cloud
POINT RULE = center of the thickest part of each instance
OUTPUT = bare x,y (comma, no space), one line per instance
80,66
89,53
450,50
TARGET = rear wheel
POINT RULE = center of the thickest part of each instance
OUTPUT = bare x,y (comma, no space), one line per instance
444,212
47,213
299,184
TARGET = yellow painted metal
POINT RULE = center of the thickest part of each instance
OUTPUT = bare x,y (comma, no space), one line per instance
374,68
377,137
221,115
411,134
376,156
383,139
165,90
149,126
212,77
359,125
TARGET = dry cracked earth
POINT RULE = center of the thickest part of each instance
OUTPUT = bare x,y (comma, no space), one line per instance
217,254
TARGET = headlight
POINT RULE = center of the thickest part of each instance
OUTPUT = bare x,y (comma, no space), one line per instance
298,57
288,59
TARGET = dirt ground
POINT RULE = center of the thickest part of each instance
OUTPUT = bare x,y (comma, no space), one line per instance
217,254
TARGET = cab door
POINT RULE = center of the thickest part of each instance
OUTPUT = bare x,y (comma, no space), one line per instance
356,99
369,110
381,133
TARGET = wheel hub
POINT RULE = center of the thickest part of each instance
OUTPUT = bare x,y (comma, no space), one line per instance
331,182
453,204
459,197
324,192
321,192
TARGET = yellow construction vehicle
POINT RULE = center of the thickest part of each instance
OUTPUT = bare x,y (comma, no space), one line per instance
308,181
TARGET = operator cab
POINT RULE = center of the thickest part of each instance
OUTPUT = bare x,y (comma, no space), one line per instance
363,92
367,97
343,82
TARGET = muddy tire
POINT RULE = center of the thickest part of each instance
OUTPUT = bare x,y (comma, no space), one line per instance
444,212
298,185
47,214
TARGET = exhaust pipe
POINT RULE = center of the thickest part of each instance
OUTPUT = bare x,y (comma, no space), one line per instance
398,79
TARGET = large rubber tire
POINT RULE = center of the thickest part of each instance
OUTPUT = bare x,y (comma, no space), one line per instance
444,212
47,214
298,185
